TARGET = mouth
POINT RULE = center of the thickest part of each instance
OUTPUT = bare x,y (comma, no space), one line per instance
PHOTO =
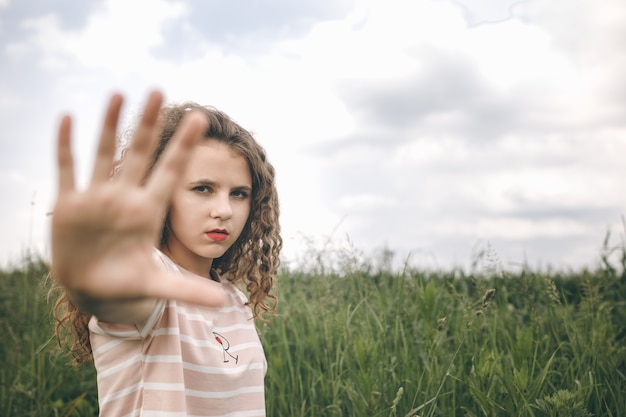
217,235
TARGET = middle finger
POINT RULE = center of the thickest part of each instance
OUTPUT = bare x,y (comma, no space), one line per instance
138,154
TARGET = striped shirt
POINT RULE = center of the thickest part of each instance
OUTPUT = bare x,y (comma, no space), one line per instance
186,360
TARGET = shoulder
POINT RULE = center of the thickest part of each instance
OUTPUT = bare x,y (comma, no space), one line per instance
235,293
230,288
164,260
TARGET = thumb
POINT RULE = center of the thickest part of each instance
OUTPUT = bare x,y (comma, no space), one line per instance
201,291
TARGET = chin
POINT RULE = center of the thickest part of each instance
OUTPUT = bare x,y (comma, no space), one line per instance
213,254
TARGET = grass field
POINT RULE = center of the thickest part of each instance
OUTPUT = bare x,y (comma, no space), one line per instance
366,341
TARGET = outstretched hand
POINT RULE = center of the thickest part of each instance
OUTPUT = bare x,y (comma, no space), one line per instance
103,237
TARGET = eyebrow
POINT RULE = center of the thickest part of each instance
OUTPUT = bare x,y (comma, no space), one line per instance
204,181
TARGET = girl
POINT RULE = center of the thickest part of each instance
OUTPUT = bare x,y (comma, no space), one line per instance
168,329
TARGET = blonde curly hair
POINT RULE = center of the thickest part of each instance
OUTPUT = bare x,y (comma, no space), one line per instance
251,262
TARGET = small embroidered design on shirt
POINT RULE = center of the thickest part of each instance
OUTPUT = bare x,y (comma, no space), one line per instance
225,344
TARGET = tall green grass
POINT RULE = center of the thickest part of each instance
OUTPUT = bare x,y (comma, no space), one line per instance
35,378
369,341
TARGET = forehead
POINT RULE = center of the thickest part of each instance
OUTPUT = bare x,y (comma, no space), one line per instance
213,159
219,146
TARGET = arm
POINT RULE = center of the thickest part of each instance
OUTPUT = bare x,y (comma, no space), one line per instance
127,311
103,237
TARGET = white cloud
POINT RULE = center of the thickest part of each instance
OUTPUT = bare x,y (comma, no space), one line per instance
366,202
119,36
513,228
514,130
487,11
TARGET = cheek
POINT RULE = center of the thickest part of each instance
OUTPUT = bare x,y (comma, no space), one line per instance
242,217
178,219
182,206
247,219
245,213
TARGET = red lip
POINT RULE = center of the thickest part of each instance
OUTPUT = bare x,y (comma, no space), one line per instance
218,235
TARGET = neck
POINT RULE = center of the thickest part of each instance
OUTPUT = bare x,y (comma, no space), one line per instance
195,265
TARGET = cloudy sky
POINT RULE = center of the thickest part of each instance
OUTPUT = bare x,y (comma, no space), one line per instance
434,128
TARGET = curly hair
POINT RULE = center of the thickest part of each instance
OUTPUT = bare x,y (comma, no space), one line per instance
68,315
251,262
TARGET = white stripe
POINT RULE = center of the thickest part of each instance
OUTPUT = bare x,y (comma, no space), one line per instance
148,413
190,316
242,326
249,413
208,343
213,310
165,331
115,369
121,393
159,306
200,342
225,394
97,329
223,371
187,339
164,386
107,346
211,344
243,346
162,358
178,387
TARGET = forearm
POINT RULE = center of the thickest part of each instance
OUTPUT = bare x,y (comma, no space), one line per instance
123,311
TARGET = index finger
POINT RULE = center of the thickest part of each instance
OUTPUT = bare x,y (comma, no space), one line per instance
139,152
170,165
195,291
106,146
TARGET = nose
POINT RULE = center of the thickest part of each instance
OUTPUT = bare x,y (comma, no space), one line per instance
221,208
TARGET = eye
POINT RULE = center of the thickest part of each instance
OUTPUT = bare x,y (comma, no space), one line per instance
242,194
202,189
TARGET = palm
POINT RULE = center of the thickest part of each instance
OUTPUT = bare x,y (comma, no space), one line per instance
106,237
103,237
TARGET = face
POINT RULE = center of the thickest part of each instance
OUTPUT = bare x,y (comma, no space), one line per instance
210,206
